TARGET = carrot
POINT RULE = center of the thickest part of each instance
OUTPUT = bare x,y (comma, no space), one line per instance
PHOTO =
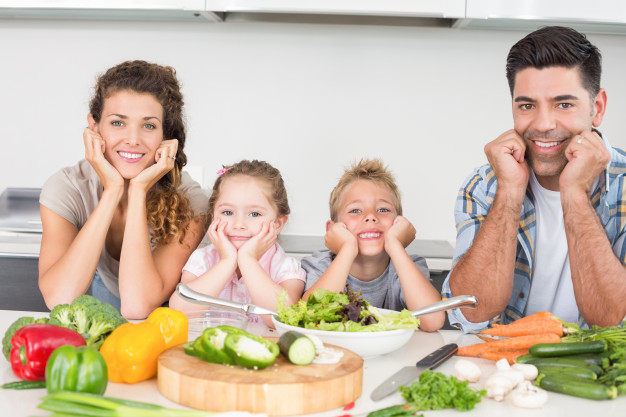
526,328
510,355
542,315
512,343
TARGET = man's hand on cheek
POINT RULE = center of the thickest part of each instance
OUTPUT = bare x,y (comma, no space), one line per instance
506,155
587,158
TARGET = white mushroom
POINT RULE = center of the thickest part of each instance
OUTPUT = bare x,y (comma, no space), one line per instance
467,370
530,371
527,395
498,386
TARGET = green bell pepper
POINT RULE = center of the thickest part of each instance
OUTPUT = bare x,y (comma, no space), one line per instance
211,347
251,351
81,369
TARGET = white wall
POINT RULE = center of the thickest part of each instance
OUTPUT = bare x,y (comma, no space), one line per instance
310,99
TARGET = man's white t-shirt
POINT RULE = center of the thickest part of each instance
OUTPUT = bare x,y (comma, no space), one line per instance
551,287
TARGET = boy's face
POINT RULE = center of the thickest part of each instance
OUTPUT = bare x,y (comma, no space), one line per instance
368,211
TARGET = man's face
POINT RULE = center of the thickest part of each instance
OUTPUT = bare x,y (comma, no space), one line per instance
550,107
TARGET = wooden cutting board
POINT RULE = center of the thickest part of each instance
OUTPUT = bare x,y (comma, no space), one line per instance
281,389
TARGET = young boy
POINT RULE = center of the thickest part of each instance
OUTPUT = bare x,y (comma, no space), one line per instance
365,233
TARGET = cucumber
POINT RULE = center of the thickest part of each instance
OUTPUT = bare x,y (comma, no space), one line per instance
563,362
298,348
600,359
577,387
564,349
574,371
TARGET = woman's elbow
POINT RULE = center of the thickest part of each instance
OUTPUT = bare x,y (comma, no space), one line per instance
136,310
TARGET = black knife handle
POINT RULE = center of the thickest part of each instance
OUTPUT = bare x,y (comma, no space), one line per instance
439,356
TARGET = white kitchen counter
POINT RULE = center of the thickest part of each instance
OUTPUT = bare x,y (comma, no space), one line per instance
24,403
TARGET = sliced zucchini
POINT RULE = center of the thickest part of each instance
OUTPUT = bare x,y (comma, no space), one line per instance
298,348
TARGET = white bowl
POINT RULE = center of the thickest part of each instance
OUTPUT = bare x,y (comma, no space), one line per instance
200,320
365,344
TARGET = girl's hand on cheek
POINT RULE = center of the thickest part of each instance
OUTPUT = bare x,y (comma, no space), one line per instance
217,234
94,153
261,242
401,231
164,158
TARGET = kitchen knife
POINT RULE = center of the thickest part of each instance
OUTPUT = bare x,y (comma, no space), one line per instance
410,373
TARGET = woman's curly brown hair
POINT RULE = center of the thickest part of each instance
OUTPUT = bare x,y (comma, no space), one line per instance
169,211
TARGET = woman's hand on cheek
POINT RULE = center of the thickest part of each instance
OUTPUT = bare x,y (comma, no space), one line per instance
261,242
164,158
217,234
94,153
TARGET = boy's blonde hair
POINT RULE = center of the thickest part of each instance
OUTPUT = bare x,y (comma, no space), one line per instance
255,169
366,169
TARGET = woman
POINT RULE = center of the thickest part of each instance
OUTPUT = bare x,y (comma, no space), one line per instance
124,221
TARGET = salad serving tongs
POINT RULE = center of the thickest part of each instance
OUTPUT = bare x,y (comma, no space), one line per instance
199,298
460,301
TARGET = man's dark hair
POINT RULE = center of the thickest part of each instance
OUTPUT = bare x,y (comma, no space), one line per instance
556,46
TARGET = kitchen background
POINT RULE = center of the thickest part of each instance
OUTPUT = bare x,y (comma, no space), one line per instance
309,94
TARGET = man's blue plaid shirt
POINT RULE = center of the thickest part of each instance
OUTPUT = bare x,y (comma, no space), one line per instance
472,206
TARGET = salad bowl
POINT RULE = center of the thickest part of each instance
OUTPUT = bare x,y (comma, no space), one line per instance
369,344
365,344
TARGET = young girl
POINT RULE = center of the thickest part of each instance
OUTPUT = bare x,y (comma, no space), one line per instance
123,221
248,208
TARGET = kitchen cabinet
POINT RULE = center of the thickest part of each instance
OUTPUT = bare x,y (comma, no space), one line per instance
155,10
600,16
415,8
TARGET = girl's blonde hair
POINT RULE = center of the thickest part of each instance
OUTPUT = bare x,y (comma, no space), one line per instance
169,211
255,169
366,169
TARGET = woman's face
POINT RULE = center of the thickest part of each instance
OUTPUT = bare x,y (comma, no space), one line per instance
131,126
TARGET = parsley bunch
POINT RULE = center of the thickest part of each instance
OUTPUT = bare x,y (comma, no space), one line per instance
435,391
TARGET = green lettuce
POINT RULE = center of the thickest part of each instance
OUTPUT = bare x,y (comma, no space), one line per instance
326,310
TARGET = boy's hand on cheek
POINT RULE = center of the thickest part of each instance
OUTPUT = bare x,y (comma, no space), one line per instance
261,242
338,237
401,231
217,234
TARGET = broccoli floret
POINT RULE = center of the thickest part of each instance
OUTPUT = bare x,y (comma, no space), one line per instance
86,300
63,314
8,335
82,318
104,319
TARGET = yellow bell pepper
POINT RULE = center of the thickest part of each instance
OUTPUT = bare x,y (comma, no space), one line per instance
131,352
174,325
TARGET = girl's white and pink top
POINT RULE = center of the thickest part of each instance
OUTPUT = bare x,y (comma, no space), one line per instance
275,262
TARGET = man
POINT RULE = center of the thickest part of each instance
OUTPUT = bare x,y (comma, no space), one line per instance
542,227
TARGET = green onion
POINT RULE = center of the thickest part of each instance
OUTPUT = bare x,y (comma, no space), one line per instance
65,404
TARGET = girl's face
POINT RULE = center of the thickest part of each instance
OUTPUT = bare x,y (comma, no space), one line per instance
244,204
131,126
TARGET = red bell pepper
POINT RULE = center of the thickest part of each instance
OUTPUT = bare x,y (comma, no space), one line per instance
33,344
